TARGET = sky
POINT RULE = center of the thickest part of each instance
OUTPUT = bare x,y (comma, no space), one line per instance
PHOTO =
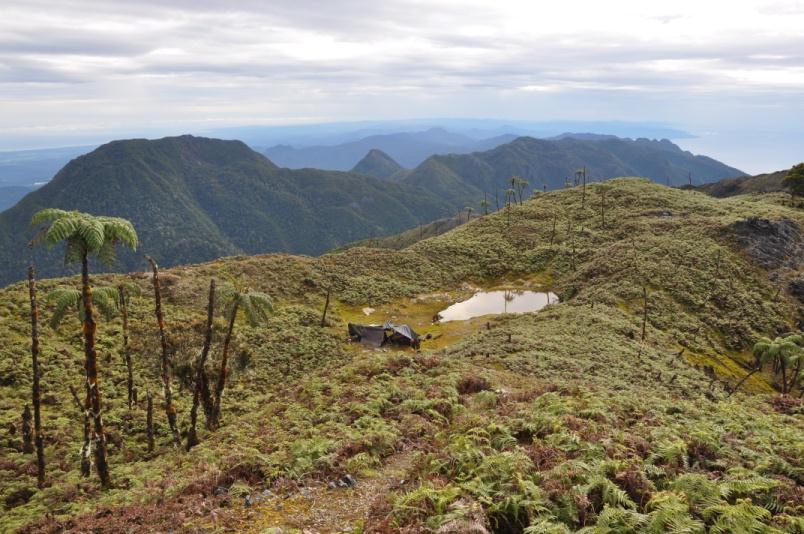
730,72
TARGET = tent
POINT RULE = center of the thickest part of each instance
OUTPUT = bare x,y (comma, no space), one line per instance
381,335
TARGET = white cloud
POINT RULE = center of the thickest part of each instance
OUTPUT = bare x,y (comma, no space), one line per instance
173,65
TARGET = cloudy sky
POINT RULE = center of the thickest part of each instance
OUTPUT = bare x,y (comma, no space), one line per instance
731,72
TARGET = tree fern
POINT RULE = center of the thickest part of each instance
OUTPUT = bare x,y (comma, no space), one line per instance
256,307
84,233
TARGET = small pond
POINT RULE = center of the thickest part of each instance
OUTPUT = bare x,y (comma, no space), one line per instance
497,302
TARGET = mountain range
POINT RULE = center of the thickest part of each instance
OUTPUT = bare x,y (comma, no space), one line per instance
547,164
196,199
407,148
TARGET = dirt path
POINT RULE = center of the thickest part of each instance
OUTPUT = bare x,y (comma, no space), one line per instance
318,509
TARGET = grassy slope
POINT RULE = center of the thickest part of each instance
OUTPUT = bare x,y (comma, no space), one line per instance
582,423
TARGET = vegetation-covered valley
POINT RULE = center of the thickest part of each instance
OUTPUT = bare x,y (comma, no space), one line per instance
647,400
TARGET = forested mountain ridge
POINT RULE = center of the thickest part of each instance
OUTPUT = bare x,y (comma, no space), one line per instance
544,163
197,199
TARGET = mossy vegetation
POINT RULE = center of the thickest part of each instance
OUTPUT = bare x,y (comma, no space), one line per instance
558,421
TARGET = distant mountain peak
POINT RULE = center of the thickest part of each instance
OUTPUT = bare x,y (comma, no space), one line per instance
378,164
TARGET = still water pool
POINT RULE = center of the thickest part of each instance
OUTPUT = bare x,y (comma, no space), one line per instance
497,302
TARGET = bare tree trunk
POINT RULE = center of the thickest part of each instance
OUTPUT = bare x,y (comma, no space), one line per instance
743,379
149,421
86,448
603,209
27,431
201,383
170,408
794,376
583,197
573,254
39,439
91,364
126,355
326,307
553,233
216,410
644,310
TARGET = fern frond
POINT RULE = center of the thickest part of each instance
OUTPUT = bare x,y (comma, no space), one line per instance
91,231
106,299
47,215
700,492
61,230
669,512
63,299
743,516
117,230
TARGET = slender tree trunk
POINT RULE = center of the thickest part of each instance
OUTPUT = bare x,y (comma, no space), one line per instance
39,438
497,199
326,307
27,431
200,374
126,355
91,364
794,376
742,380
553,233
170,408
644,310
603,209
784,375
583,196
86,448
149,421
573,254
216,410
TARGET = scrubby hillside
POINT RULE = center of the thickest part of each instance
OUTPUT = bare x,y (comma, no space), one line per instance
553,421
761,183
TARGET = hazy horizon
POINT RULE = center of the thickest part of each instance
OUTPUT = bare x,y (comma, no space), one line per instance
730,73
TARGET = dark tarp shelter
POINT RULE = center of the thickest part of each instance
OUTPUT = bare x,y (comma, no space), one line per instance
387,333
